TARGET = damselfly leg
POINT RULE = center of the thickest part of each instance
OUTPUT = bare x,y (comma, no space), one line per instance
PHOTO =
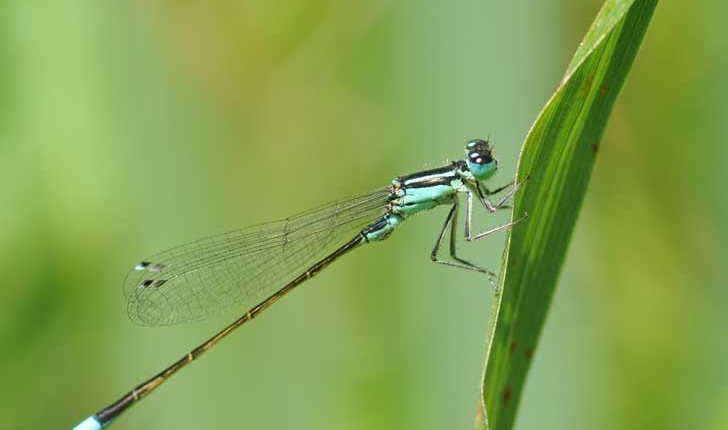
451,224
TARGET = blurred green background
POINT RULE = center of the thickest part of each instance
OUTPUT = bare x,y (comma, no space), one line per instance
130,127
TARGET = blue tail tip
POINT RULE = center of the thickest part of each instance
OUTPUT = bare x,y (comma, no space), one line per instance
90,423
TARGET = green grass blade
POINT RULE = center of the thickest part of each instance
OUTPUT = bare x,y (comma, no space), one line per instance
557,156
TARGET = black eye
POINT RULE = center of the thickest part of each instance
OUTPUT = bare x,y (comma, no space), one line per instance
478,152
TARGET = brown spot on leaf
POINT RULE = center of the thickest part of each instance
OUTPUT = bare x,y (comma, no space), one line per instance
529,354
595,148
603,90
512,347
507,394
588,81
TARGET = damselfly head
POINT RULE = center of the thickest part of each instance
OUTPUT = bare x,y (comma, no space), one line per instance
480,158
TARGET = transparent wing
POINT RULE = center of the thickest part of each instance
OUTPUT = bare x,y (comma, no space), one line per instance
243,267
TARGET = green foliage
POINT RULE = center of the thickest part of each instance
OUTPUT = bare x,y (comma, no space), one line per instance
556,162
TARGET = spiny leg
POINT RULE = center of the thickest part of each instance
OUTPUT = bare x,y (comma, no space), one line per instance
459,262
453,237
468,221
490,207
488,192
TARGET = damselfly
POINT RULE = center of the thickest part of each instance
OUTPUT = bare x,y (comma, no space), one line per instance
253,267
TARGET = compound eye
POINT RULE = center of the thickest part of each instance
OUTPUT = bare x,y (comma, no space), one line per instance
478,152
480,158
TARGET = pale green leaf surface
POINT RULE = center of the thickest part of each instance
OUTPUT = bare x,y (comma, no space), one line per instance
557,158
